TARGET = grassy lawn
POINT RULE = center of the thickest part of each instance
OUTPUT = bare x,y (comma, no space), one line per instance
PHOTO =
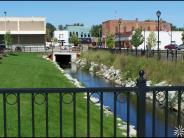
31,71
157,71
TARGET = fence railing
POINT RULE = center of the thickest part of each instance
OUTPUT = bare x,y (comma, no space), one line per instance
170,55
139,91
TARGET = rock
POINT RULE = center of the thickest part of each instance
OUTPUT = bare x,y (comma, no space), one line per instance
163,83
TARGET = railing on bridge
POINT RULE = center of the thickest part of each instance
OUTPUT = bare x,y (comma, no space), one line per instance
140,92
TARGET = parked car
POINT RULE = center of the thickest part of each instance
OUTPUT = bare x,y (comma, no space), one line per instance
171,46
181,47
2,46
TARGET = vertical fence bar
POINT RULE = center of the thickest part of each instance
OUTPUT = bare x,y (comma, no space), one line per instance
141,104
74,114
88,115
115,113
166,114
46,114
179,108
4,114
128,113
33,120
101,114
60,108
19,121
153,114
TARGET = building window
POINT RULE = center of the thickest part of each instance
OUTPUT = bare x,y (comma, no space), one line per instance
84,35
116,29
148,28
88,35
124,29
77,34
61,36
70,34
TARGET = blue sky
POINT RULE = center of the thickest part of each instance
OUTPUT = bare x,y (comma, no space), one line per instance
95,12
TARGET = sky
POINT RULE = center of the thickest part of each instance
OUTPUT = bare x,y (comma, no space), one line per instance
95,12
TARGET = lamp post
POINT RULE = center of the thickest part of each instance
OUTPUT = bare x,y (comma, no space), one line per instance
119,23
144,39
5,19
158,13
100,36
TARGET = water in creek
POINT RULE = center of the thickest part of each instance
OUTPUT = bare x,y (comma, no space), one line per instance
91,80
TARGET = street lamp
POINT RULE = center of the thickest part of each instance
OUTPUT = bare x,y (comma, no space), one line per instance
119,23
5,19
158,13
100,36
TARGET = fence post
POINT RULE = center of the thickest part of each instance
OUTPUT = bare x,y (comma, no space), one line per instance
141,104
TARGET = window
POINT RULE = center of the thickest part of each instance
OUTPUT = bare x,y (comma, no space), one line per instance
70,34
148,28
84,35
77,34
116,29
81,34
61,36
88,35
124,29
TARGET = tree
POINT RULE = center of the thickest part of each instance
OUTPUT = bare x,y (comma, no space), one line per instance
99,42
49,31
109,41
8,40
151,40
54,40
96,30
60,27
182,38
74,39
137,38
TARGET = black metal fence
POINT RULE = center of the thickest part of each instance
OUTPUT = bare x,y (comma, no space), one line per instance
140,92
169,55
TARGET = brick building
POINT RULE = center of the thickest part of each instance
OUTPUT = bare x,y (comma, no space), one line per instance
24,30
127,26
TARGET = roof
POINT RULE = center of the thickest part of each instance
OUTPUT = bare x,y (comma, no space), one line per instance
8,18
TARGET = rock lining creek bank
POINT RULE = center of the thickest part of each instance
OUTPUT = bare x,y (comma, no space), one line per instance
120,123
112,74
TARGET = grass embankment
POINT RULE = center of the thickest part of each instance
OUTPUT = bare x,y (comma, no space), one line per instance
32,71
157,71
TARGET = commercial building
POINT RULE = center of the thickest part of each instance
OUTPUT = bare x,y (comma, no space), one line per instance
24,30
165,38
82,32
122,29
62,35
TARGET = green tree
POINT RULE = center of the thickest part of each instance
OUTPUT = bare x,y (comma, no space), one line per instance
96,30
49,31
8,40
74,39
137,38
99,42
60,27
151,40
109,41
54,40
182,38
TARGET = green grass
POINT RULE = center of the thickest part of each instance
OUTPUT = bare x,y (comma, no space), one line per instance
157,71
32,71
